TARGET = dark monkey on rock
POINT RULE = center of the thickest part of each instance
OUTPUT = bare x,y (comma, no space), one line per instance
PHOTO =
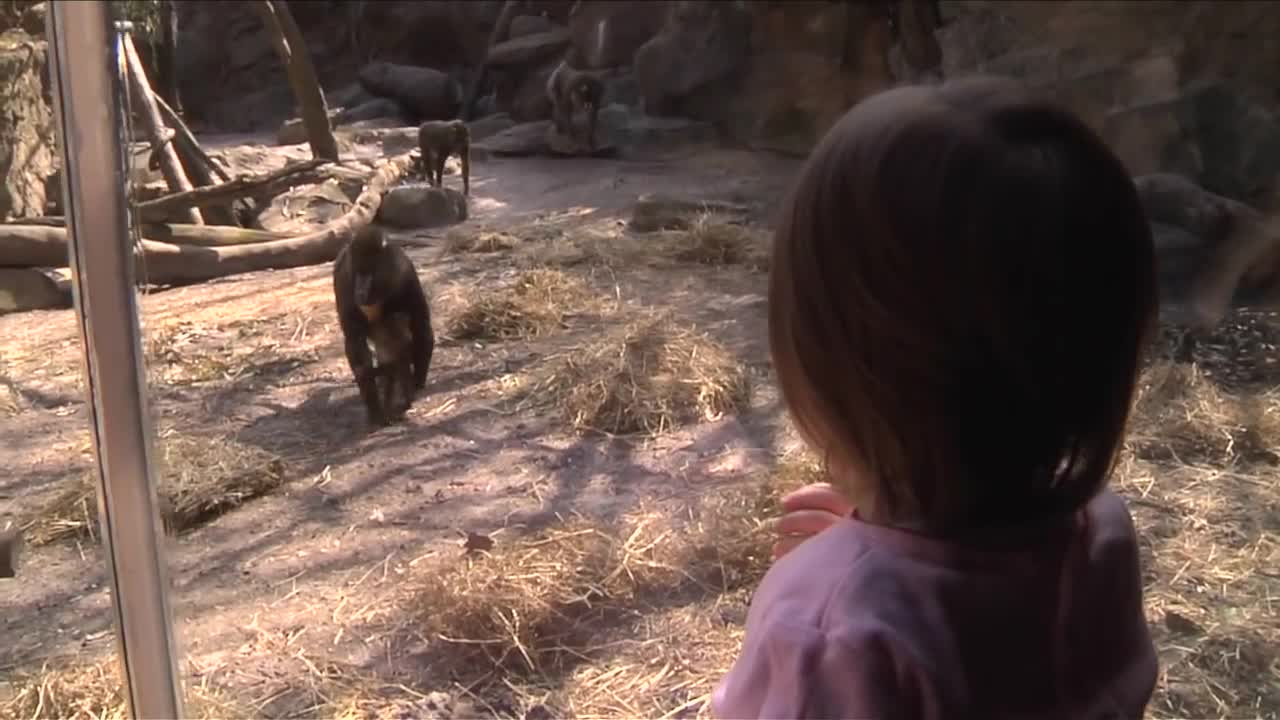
571,91
381,303
437,140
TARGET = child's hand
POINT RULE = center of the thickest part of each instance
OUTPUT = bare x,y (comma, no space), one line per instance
806,512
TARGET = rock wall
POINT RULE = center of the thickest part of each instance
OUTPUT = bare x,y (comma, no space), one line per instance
28,141
1182,86
1185,87
231,79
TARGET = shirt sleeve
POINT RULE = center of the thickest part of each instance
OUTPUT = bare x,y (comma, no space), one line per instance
793,671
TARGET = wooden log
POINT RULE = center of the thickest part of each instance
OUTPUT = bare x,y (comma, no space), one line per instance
252,186
169,264
173,233
154,127
208,235
287,39
188,139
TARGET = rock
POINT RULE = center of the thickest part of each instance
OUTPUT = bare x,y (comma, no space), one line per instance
530,102
487,105
658,211
294,131
349,95
33,19
23,289
1177,201
521,140
644,132
608,34
394,140
1238,141
426,93
528,49
422,206
620,88
10,552
374,109
699,43
1151,138
27,143
489,125
523,25
1207,253
562,145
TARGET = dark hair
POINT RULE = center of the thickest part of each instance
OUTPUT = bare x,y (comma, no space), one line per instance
962,285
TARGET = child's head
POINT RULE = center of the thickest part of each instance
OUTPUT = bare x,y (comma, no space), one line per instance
962,283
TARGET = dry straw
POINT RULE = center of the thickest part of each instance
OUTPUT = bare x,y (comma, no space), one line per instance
460,240
598,619
647,376
200,477
538,302
1201,472
91,690
713,239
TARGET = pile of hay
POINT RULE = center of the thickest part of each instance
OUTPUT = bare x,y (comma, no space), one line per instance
537,303
458,241
1199,471
598,620
91,691
646,377
186,352
199,478
711,239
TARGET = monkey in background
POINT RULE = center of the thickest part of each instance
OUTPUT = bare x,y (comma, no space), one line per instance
570,91
439,139
380,301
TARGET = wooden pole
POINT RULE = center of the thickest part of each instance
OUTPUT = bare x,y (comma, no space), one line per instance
155,129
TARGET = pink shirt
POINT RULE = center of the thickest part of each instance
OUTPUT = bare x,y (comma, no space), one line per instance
865,621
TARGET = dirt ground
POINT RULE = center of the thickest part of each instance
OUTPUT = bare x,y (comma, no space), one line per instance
314,599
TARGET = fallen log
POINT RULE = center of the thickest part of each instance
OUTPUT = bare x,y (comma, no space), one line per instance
244,186
208,235
154,127
173,233
171,264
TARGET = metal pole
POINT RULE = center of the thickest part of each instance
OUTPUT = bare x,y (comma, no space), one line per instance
84,71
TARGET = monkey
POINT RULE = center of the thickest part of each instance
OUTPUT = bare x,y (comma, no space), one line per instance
380,301
570,91
437,140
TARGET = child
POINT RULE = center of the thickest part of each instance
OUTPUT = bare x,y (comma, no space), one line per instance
962,283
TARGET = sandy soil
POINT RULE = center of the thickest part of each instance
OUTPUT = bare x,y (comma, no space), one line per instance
273,595
358,501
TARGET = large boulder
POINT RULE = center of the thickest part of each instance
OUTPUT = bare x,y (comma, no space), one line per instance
294,131
422,206
1173,87
1211,250
523,25
699,43
529,102
523,51
426,93
27,144
23,289
608,34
